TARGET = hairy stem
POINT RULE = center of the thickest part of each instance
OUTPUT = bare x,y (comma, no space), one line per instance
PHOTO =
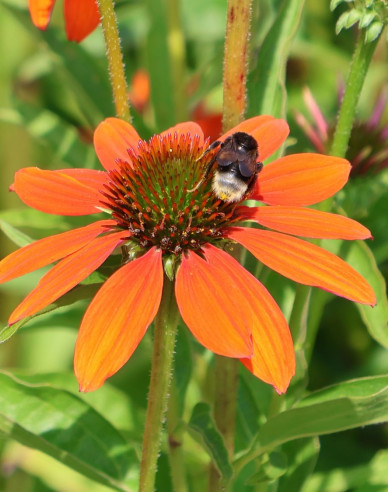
164,341
115,58
236,62
357,73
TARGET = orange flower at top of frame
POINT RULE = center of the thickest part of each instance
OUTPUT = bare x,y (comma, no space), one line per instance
81,16
147,187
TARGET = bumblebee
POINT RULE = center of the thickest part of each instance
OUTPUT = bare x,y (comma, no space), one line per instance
237,167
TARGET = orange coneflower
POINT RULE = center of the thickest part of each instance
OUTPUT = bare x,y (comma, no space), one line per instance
147,188
81,16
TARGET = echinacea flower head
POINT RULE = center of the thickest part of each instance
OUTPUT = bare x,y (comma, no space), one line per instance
368,144
174,230
81,16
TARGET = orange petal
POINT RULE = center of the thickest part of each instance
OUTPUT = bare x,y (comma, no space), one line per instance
301,179
112,138
67,274
184,128
50,249
88,177
239,302
40,11
64,192
249,125
305,263
266,130
212,301
305,222
81,18
273,359
117,319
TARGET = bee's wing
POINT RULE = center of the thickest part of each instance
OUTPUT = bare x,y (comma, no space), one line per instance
226,157
247,164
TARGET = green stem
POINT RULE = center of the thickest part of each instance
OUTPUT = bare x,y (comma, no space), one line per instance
166,324
357,73
225,408
175,440
115,58
235,62
234,103
176,48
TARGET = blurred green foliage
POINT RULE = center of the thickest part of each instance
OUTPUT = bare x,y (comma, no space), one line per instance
52,95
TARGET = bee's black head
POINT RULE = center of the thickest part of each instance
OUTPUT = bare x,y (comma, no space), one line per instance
245,141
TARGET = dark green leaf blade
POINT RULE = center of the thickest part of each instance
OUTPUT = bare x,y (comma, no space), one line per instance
159,65
344,406
60,424
266,82
376,318
203,429
79,292
302,456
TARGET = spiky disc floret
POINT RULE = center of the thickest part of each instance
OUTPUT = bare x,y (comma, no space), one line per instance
149,197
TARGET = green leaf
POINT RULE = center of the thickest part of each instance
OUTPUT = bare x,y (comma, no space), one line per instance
62,138
345,406
158,65
16,236
247,412
355,388
361,258
203,429
271,469
33,219
76,294
266,81
342,22
63,426
8,331
302,456
372,474
88,81
109,401
373,31
334,4
366,19
353,17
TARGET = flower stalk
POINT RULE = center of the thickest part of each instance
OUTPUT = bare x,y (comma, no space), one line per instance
175,442
357,73
234,105
235,62
115,58
166,324
225,408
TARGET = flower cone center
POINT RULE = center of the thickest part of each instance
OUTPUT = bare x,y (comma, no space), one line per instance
150,195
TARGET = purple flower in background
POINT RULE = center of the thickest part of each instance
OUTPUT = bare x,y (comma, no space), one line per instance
368,145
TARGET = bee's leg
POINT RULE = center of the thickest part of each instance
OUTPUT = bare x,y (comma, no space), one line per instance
204,176
259,167
211,147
